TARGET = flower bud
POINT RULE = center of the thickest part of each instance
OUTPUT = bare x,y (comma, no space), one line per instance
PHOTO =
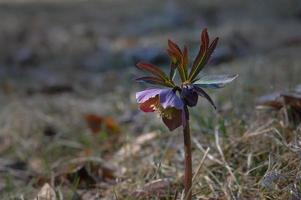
189,95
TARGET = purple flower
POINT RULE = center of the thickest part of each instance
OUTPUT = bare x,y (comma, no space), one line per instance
171,108
166,103
174,109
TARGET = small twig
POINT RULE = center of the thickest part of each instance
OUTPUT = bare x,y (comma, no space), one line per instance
211,157
217,143
210,184
200,165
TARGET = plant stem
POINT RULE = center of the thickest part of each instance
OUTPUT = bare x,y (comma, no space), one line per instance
187,162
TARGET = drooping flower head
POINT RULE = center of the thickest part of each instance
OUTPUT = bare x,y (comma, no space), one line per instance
172,103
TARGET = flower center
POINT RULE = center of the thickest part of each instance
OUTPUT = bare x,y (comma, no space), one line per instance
162,112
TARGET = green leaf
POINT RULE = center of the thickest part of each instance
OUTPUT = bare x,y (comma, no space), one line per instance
214,81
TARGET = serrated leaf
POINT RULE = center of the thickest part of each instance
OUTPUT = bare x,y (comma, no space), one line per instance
153,80
152,69
214,81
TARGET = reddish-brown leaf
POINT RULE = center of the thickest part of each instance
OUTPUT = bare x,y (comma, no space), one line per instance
203,55
152,80
111,125
97,123
88,171
185,62
94,122
174,47
152,69
211,49
174,57
278,100
205,38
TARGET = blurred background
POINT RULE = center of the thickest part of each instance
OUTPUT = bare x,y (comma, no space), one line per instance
67,69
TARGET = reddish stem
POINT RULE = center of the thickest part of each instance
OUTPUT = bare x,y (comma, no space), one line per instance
187,162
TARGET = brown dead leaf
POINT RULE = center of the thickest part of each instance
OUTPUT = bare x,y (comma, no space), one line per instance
46,193
94,122
293,100
111,125
281,99
97,123
87,172
272,100
290,101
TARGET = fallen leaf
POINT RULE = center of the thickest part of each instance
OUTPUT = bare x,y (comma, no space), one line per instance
293,100
280,99
94,122
86,172
98,123
289,100
111,125
272,100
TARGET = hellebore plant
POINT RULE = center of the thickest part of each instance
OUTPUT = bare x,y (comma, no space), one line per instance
172,102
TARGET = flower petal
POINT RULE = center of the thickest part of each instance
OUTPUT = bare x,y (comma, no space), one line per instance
176,120
168,98
148,106
145,95
166,102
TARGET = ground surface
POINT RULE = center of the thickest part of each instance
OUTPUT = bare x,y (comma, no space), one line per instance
65,64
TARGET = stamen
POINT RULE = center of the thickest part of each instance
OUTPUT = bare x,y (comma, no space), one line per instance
161,111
